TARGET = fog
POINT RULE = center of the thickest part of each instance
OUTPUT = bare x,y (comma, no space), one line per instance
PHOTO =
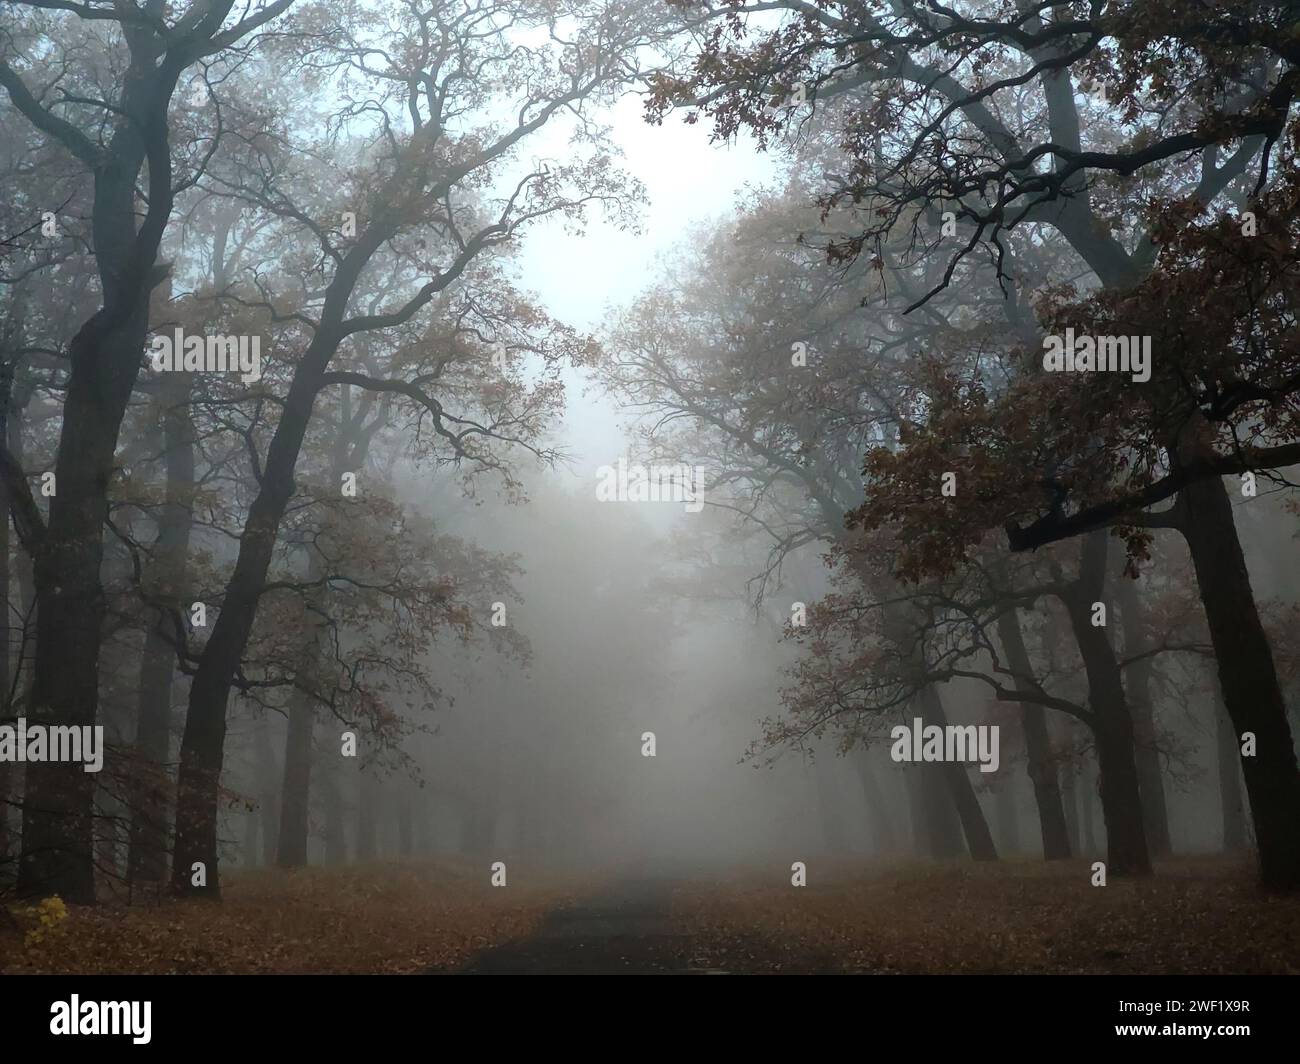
576,444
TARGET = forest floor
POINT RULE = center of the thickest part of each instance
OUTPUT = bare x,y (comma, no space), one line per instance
396,917
1197,915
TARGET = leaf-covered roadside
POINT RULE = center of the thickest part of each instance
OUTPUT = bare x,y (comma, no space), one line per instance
392,918
1199,916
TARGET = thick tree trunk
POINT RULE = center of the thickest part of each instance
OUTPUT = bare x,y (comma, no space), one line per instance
884,838
1121,802
18,621
1070,800
57,855
268,789
974,825
104,360
942,824
1248,679
296,793
203,744
1087,834
1040,764
1008,814
1137,684
151,782
1230,802
252,838
336,843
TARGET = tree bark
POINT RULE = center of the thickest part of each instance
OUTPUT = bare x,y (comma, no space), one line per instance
884,838
152,785
336,843
296,793
974,825
1070,798
1087,834
8,361
1040,764
940,823
1248,680
269,795
1229,763
57,856
1137,683
1008,815
203,744
1121,802
104,363
252,837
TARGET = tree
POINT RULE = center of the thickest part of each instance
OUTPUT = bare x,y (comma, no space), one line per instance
112,118
427,224
954,127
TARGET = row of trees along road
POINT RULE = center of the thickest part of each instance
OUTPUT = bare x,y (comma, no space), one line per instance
986,177
344,182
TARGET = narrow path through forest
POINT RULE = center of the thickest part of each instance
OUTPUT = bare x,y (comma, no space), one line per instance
626,929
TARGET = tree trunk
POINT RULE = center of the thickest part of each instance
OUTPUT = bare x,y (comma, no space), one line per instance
336,843
203,744
1004,792
974,825
1121,802
1087,835
19,624
942,825
1248,680
10,614
883,837
302,713
1230,803
296,793
151,782
1137,684
252,842
57,855
1070,798
269,795
1040,764
104,359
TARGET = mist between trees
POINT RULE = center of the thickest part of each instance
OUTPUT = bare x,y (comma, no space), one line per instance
986,405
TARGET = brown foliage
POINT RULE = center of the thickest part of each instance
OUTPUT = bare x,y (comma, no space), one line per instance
395,919
1201,916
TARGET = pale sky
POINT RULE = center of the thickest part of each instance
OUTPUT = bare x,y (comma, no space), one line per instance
687,180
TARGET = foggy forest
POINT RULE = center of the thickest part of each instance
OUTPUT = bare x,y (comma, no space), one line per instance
595,486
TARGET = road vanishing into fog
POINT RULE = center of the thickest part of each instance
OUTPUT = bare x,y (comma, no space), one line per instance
626,929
